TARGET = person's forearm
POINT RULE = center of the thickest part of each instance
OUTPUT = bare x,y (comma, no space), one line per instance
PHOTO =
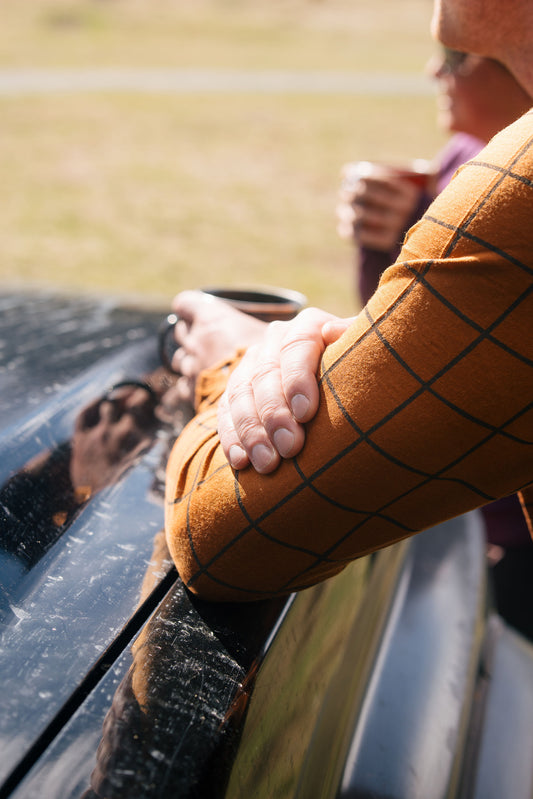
424,413
384,458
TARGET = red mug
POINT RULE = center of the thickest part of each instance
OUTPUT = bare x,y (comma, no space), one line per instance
419,171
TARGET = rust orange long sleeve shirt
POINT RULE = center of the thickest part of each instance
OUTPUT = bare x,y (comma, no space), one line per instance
426,405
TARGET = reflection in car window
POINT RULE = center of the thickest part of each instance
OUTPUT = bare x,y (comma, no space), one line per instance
38,502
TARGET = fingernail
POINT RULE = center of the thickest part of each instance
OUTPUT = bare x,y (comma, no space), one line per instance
284,441
299,406
237,457
262,457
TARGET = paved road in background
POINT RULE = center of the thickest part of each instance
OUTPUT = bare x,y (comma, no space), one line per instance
182,81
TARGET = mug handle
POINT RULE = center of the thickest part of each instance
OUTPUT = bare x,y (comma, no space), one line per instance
166,329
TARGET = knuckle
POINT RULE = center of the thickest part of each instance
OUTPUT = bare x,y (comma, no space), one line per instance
274,332
301,344
250,354
236,390
272,411
309,314
248,431
313,318
277,325
266,370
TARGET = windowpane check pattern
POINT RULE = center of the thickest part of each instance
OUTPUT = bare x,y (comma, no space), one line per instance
426,405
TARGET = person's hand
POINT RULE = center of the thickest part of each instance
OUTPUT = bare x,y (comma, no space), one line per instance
274,391
375,207
109,433
208,330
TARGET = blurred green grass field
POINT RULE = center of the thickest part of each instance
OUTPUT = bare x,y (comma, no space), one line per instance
148,193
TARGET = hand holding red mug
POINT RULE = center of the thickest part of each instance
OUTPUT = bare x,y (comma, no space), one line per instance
377,202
